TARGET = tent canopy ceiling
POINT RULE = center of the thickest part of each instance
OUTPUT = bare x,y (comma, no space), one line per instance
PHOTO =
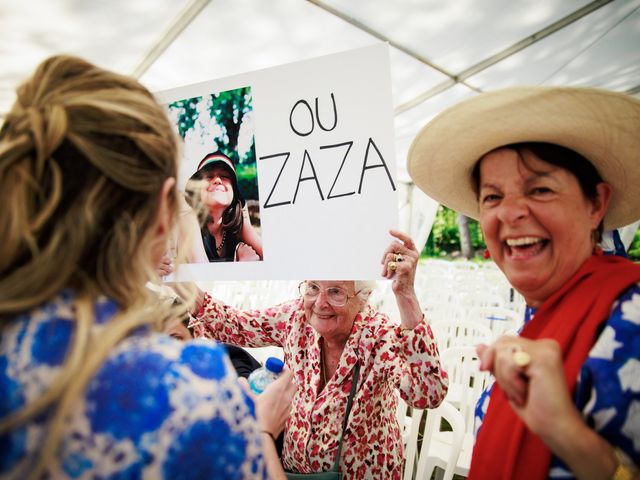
441,52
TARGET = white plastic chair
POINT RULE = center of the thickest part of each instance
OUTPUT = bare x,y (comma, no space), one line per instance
464,266
460,333
439,448
440,308
499,320
466,381
471,296
434,268
404,419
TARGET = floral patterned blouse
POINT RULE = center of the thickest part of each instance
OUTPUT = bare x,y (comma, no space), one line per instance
608,388
156,408
389,357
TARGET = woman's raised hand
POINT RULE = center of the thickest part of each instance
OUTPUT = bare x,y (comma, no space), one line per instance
399,262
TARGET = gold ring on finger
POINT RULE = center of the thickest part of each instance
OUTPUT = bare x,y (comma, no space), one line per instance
392,266
520,357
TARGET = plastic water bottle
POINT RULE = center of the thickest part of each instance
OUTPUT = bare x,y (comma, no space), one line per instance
260,378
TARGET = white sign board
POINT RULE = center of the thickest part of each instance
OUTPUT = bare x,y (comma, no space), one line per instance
313,148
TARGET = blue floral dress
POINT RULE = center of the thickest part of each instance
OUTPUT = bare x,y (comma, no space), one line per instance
608,388
156,408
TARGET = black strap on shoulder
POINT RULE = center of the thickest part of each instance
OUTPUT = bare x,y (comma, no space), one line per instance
354,384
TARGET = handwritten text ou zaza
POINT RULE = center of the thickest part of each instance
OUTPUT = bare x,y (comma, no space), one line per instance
367,163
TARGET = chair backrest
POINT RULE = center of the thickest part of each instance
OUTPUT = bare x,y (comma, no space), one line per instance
466,381
470,295
456,333
411,443
499,320
433,453
440,308
464,266
404,418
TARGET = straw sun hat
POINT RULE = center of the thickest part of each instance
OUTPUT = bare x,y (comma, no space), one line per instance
602,126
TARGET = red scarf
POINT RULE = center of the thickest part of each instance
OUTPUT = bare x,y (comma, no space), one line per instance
505,449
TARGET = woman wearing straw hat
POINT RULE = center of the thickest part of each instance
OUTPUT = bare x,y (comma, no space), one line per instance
213,192
88,388
545,170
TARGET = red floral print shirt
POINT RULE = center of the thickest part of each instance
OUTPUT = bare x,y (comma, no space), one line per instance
390,358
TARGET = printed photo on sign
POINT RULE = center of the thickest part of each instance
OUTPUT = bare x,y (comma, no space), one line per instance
220,211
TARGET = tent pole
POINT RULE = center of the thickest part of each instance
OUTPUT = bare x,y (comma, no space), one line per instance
182,21
507,52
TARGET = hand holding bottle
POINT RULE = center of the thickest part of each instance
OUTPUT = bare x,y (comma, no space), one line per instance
263,376
273,406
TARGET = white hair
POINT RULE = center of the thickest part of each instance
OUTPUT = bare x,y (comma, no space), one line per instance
364,287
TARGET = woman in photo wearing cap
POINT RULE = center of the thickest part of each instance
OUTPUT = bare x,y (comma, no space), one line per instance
213,192
545,170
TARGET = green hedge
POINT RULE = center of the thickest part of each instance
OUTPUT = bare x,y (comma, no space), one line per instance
634,249
444,239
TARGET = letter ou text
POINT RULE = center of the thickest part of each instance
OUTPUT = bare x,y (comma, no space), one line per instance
304,107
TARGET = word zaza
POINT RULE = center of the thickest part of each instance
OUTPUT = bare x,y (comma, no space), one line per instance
370,160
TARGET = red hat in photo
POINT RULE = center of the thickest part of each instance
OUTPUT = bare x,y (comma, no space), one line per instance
213,159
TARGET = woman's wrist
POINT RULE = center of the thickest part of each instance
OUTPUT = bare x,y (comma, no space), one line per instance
410,312
267,432
413,325
586,453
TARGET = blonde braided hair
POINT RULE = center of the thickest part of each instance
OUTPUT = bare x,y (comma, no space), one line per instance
84,154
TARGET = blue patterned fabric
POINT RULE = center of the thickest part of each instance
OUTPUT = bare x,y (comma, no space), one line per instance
156,408
608,389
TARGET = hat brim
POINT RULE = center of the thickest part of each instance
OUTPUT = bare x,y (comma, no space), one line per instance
602,126
212,162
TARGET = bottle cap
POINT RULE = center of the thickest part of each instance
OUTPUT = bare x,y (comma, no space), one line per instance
274,364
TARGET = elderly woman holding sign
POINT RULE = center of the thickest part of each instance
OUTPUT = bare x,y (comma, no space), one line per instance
343,352
544,169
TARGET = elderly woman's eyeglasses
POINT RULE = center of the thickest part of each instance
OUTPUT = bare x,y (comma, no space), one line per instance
336,296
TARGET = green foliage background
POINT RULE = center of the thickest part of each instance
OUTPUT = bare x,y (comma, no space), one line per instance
247,180
444,239
228,110
634,249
